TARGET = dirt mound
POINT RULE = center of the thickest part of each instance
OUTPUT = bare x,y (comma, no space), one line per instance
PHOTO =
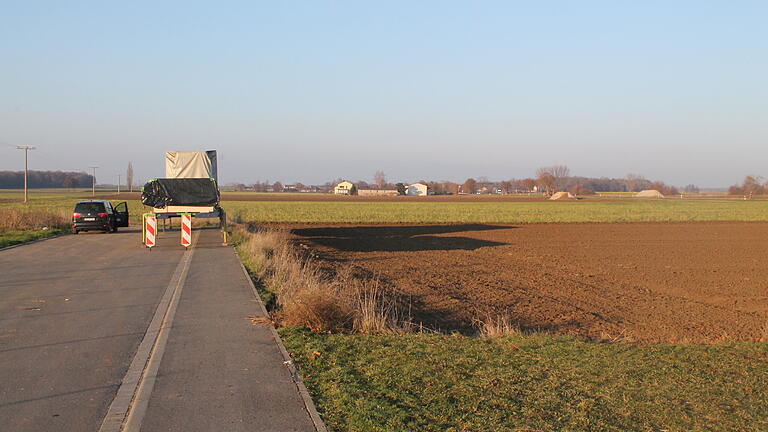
649,193
562,196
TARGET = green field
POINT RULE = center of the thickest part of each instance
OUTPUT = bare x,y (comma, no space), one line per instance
466,210
537,382
595,210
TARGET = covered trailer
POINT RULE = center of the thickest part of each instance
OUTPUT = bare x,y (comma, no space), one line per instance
189,189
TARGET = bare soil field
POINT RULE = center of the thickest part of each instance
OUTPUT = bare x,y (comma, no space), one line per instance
646,282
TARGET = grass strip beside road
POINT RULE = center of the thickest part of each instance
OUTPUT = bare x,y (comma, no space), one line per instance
529,382
11,238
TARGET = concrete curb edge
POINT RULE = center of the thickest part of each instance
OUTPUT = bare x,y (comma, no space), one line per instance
288,362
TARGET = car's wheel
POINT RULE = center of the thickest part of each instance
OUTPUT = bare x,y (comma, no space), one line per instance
114,229
74,231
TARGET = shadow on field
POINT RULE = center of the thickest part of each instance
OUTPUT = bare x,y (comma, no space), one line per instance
398,238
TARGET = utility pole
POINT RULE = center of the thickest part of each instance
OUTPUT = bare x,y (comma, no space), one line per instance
93,186
26,166
118,184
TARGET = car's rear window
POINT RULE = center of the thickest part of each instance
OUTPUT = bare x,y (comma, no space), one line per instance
89,208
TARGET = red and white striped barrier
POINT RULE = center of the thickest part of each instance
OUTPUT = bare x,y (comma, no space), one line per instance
186,230
150,230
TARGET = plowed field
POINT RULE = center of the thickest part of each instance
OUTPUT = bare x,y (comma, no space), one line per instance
647,282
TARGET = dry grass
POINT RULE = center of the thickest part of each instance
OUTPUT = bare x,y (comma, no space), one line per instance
496,326
20,219
306,296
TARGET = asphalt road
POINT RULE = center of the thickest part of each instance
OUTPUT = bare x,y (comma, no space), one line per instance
73,311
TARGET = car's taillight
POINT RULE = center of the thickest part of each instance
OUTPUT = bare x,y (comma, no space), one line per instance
102,215
75,215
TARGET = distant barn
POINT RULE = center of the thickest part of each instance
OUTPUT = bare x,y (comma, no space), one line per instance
344,188
417,189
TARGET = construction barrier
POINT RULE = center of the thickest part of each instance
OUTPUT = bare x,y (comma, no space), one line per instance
150,230
186,229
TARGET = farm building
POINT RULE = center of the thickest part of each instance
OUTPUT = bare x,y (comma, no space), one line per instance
344,188
377,192
417,189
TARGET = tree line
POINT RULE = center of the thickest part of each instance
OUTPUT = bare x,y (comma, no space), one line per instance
45,179
751,186
547,180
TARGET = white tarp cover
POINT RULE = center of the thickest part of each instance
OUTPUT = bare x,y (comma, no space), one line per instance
190,164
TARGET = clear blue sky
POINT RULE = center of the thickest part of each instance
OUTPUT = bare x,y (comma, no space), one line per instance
310,91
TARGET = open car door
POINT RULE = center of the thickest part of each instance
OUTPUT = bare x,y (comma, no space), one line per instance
121,214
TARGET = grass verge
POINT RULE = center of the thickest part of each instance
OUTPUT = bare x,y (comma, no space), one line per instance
21,225
10,238
430,382
297,292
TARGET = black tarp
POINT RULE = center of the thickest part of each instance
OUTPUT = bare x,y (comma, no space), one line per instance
160,193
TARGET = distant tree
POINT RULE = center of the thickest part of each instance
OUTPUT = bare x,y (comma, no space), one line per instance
527,184
238,187
506,186
581,190
469,186
546,181
41,179
69,182
450,188
353,190
277,187
380,179
558,172
751,186
129,176
691,188
633,182
400,188
664,188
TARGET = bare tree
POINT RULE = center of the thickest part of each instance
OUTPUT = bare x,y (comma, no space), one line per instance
505,186
691,188
752,186
528,184
380,179
545,180
469,186
69,182
633,182
129,176
558,172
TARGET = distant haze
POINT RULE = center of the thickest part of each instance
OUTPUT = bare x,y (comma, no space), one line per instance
434,90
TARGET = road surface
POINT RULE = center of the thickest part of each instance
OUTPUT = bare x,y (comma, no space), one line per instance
79,313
